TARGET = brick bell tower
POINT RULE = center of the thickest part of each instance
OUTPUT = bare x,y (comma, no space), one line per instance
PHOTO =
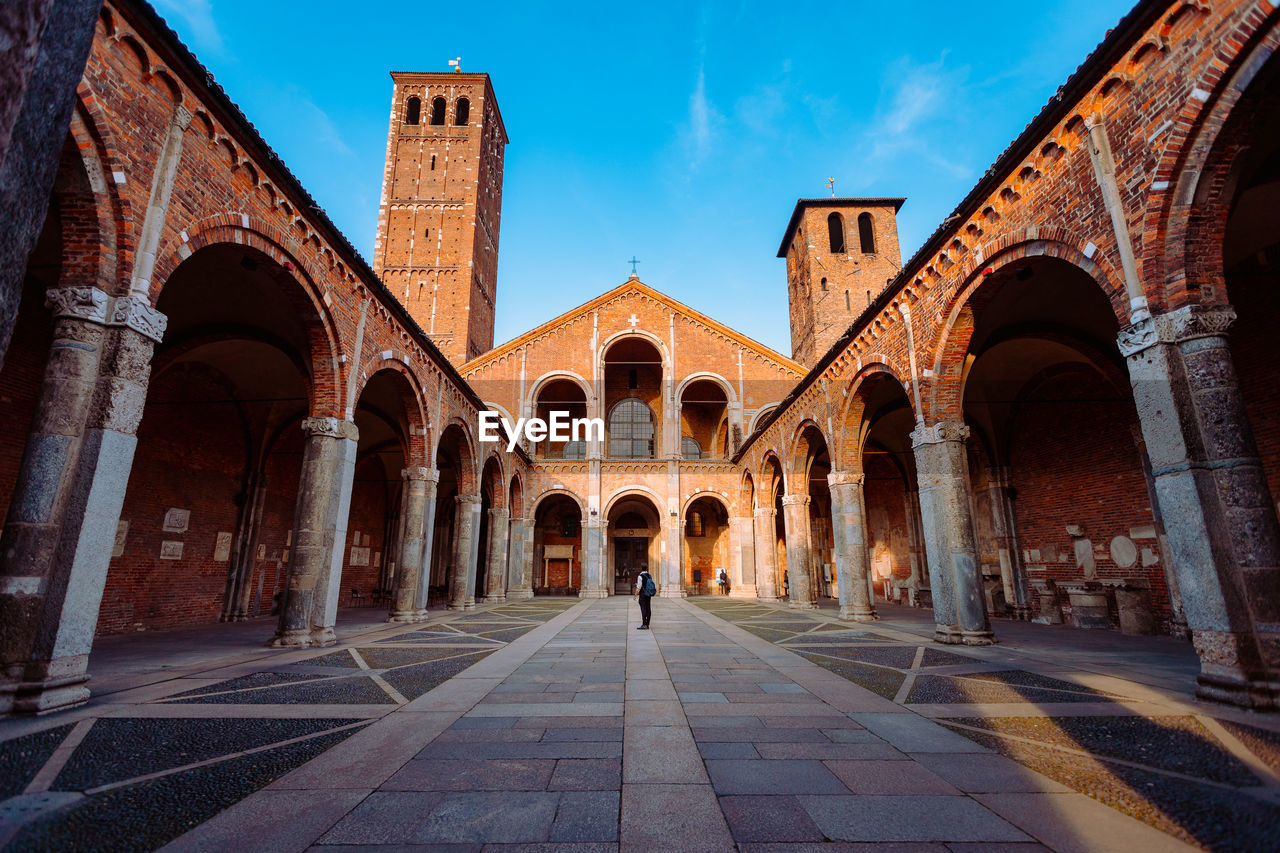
437,245
840,254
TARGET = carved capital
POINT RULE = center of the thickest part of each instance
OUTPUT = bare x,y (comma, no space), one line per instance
81,303
496,512
331,428
795,500
136,313
846,478
1185,324
939,432
764,512
465,501
414,474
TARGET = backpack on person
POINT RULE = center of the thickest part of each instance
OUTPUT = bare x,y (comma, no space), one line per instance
650,588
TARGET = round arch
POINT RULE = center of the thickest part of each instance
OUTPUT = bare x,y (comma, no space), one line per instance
633,491
557,375
708,376
648,337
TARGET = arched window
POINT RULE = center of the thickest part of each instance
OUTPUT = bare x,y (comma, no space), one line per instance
461,112
835,229
412,109
437,111
694,527
689,448
574,450
631,430
866,234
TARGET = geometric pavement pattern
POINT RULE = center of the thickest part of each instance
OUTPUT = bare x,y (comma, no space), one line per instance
1211,783
135,783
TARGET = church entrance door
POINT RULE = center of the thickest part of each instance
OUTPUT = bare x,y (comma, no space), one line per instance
630,555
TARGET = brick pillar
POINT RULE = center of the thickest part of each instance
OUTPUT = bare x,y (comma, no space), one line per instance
496,556
57,540
955,578
1004,524
419,489
795,521
742,530
1224,538
849,542
518,575
319,535
766,555
466,530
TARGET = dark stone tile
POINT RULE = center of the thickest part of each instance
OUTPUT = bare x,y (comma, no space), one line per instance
768,818
785,776
587,816
426,774
587,774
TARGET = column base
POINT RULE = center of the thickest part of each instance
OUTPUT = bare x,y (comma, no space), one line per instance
593,592
850,614
947,635
500,598
34,698
678,592
321,637
743,591
803,605
294,638
1235,688
978,638
520,595
405,616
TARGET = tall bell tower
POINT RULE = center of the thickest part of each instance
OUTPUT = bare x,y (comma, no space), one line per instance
441,208
840,253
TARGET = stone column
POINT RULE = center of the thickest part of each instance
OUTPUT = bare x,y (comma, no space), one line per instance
319,534
795,520
744,585
423,589
409,573
497,556
240,567
671,584
57,540
517,575
766,561
853,566
1004,525
466,527
1223,533
955,578
593,562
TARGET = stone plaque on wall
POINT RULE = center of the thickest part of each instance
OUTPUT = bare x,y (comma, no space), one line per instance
359,556
171,549
222,547
176,520
262,552
122,533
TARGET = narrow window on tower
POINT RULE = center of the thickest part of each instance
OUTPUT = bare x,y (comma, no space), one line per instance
835,229
866,234
433,162
437,111
462,112
412,110
848,305
824,285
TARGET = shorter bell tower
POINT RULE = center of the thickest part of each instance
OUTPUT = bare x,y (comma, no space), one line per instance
840,253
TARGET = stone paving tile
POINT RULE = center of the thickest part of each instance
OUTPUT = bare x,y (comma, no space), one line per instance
587,774
587,816
895,778
472,774
776,776
907,818
768,818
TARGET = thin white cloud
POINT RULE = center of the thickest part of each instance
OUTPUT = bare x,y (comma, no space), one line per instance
703,123
195,23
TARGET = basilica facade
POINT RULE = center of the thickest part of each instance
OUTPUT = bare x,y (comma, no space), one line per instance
1059,408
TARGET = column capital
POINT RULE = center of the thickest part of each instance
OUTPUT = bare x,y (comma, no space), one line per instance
135,312
795,500
1184,324
764,512
498,512
846,478
331,428
939,432
418,474
80,303
462,500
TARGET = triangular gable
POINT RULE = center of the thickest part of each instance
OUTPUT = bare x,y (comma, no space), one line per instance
641,289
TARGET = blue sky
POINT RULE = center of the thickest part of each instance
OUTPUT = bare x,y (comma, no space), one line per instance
680,133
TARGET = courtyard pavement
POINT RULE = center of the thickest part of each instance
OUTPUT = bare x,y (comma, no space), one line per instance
553,725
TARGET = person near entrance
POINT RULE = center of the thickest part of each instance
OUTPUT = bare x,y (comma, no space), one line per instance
646,589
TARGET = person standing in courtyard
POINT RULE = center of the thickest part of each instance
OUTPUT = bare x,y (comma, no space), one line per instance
645,591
